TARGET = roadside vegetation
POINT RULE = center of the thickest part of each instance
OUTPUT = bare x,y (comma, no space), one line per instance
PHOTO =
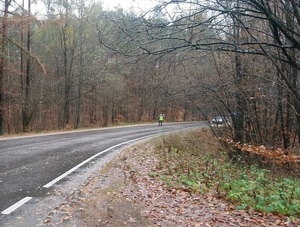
197,163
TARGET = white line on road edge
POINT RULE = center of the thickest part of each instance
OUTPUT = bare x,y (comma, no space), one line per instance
87,160
26,199
16,205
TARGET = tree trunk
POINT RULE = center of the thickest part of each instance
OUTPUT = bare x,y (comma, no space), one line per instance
238,120
290,21
67,72
2,63
26,116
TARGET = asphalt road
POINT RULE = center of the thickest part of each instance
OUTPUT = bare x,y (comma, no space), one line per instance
33,167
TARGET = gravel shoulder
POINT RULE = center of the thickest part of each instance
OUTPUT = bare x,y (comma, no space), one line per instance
125,193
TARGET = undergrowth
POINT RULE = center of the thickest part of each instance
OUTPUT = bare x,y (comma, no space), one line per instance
195,161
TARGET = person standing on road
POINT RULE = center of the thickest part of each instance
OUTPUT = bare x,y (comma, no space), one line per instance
160,119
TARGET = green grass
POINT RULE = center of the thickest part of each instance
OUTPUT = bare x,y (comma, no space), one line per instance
196,161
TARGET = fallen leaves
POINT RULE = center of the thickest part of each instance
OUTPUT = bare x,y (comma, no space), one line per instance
276,155
144,196
168,206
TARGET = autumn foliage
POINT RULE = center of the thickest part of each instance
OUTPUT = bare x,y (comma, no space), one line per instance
277,155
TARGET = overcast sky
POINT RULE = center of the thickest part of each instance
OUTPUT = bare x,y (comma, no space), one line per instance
127,4
137,5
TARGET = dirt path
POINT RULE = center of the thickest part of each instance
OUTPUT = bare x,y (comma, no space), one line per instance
125,194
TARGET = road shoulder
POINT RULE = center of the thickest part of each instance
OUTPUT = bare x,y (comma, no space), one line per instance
124,193
100,201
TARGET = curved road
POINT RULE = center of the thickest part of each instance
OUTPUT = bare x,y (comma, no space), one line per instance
32,167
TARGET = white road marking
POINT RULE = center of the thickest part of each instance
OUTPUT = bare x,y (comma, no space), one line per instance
26,199
16,205
87,160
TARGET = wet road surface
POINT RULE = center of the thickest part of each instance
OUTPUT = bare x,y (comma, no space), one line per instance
34,168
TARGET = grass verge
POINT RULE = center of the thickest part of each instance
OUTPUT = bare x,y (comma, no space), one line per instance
195,162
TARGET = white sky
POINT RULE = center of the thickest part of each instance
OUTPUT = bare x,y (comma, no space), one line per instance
137,5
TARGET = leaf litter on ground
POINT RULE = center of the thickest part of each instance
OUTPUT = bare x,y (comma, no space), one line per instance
130,192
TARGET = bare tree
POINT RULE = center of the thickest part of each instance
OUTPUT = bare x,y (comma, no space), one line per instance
26,114
266,29
4,31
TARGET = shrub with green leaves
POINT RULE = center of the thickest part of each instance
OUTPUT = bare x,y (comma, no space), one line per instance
277,196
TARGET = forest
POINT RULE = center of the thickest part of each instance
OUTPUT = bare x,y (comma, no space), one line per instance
77,65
